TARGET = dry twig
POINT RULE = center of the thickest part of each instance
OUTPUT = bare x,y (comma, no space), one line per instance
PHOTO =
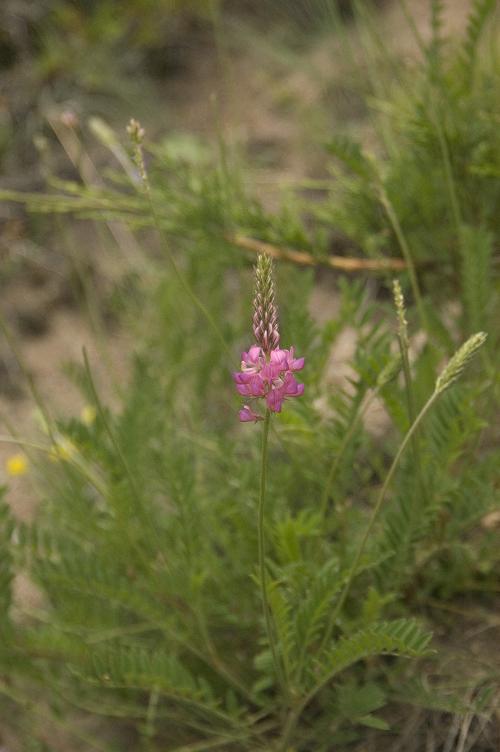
303,258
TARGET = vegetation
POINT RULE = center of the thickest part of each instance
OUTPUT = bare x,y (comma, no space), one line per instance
146,542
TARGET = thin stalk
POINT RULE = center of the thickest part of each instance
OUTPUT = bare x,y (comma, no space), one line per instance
35,394
215,660
87,474
403,347
224,78
405,248
151,717
297,711
37,398
448,171
173,263
357,417
262,553
141,507
89,303
413,26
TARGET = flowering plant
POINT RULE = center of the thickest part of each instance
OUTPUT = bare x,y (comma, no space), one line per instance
266,370
270,377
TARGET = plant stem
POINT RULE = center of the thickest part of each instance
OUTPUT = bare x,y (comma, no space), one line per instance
262,554
403,347
358,415
405,248
141,507
297,711
173,263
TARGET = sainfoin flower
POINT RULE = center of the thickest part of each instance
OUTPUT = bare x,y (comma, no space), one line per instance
267,372
269,377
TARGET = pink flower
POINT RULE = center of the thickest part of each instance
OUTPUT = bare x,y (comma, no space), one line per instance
267,370
247,415
249,384
253,360
268,376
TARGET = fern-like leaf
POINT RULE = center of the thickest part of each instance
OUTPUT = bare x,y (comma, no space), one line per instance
478,16
284,625
477,252
350,153
437,24
403,637
140,669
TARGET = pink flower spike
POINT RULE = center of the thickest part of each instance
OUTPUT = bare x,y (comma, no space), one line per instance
267,369
247,415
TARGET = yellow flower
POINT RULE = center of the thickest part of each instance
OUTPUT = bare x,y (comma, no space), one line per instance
16,464
88,415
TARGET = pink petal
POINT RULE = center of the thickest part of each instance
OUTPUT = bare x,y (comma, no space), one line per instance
249,384
275,399
296,364
244,390
271,371
247,415
279,357
291,386
243,378
256,386
252,357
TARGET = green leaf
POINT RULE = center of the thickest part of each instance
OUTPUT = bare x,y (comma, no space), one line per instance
372,721
403,637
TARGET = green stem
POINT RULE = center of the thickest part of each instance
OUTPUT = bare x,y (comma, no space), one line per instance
358,415
413,26
215,660
41,405
403,347
297,711
173,263
142,508
262,553
87,474
448,171
405,248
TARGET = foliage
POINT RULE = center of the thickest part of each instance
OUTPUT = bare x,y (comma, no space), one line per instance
145,544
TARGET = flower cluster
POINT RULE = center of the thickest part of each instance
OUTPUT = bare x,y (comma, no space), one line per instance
266,371
269,377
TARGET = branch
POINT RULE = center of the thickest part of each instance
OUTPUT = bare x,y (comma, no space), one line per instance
345,264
